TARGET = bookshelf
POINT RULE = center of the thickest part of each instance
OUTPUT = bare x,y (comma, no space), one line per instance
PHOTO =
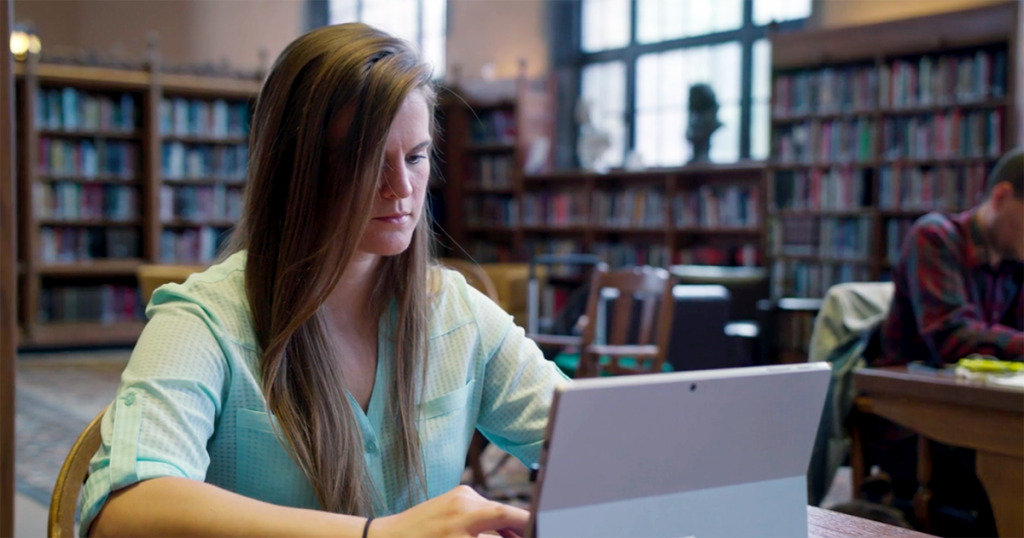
489,132
706,214
110,162
875,126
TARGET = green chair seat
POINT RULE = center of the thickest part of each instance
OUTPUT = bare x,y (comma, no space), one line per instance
569,362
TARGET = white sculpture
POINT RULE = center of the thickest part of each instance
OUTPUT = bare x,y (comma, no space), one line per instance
592,143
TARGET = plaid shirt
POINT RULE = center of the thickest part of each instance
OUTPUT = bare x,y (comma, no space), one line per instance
949,300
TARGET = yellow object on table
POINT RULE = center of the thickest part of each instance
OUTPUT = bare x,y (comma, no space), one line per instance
990,366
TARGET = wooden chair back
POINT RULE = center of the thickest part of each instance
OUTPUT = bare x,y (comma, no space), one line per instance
475,276
646,291
70,480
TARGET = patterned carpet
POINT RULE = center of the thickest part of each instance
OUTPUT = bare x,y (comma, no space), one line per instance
57,395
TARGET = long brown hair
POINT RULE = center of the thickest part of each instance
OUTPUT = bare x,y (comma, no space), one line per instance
305,212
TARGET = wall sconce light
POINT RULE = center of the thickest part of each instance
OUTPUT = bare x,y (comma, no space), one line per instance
24,41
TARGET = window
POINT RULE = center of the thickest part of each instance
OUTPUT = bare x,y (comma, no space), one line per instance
637,59
421,22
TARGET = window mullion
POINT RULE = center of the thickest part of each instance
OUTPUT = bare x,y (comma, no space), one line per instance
630,59
746,77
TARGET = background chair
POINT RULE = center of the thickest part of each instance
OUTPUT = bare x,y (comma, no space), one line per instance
641,313
69,482
153,276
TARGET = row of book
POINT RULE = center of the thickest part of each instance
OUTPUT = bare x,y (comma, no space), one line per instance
209,119
199,203
629,208
837,238
79,244
554,208
895,231
812,279
618,255
76,201
107,303
496,211
496,126
826,141
929,80
492,171
946,79
559,247
840,188
73,110
827,91
937,136
928,188
745,255
490,252
718,207
182,161
197,245
88,159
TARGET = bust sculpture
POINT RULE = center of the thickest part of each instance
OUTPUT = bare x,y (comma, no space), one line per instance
703,121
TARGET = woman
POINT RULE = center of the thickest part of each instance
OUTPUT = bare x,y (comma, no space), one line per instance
325,373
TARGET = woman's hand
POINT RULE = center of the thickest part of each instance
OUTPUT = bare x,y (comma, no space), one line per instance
459,513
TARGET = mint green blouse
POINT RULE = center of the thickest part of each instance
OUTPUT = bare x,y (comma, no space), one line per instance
190,403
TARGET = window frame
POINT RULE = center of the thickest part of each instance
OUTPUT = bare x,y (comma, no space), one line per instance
569,58
318,13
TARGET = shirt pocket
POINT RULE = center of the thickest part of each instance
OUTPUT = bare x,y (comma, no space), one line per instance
263,468
444,434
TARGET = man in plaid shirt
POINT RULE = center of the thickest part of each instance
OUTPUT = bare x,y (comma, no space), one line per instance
960,280
959,290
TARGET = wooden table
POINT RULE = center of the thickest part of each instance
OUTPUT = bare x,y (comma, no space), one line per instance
958,412
828,524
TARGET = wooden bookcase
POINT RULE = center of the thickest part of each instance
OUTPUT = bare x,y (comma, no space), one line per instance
60,196
874,126
497,213
487,137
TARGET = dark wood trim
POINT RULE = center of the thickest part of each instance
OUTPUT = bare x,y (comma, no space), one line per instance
8,276
898,382
920,35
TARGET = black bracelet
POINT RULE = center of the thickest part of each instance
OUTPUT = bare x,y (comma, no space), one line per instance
366,528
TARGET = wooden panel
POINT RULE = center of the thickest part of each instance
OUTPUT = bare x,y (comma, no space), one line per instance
127,267
956,424
919,35
997,474
897,382
200,86
84,334
8,277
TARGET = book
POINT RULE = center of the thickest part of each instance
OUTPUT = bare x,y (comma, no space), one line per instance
216,118
82,244
497,211
200,203
618,255
182,161
97,158
629,208
555,208
106,303
723,206
73,110
198,245
77,201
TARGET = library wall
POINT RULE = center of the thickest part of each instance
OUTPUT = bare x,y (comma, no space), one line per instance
498,32
190,30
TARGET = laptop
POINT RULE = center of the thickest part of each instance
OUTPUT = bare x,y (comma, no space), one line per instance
707,453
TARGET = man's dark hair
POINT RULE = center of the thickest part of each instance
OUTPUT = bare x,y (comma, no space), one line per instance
1010,169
